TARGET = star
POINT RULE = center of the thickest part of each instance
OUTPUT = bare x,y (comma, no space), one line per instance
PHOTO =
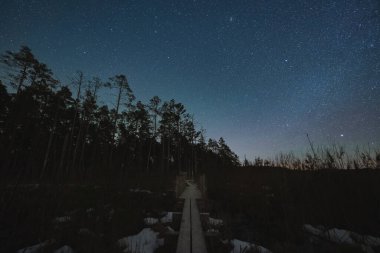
301,78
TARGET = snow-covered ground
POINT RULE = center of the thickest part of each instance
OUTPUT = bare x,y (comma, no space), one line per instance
342,236
242,246
40,247
338,236
146,241
33,249
64,249
168,217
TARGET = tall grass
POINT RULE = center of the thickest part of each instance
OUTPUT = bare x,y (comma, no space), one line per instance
325,157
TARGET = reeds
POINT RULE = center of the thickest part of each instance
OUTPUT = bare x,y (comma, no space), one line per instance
325,157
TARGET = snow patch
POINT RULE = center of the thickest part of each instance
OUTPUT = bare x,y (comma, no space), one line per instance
312,230
32,249
242,246
64,249
215,222
167,218
371,241
366,239
338,236
170,229
140,190
150,221
144,242
342,236
35,248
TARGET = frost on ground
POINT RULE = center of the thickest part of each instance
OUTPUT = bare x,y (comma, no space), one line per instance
146,241
215,222
167,218
242,246
342,236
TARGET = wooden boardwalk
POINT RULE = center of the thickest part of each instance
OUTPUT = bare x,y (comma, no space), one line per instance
191,237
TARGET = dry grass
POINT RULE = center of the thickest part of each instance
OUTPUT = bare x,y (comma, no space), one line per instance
269,205
98,215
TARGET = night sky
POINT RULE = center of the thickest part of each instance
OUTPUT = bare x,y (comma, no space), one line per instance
260,73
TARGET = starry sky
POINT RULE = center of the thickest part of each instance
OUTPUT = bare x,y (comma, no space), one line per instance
260,73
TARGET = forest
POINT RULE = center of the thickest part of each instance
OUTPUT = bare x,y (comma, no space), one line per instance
58,132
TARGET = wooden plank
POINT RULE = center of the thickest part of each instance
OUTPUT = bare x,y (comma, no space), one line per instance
198,239
184,238
191,237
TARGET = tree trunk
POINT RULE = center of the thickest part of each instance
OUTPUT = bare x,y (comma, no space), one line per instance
47,153
63,154
163,155
75,153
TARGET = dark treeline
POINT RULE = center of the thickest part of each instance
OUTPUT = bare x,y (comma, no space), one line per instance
49,131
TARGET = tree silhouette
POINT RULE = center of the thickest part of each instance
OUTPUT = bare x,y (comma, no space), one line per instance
49,131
